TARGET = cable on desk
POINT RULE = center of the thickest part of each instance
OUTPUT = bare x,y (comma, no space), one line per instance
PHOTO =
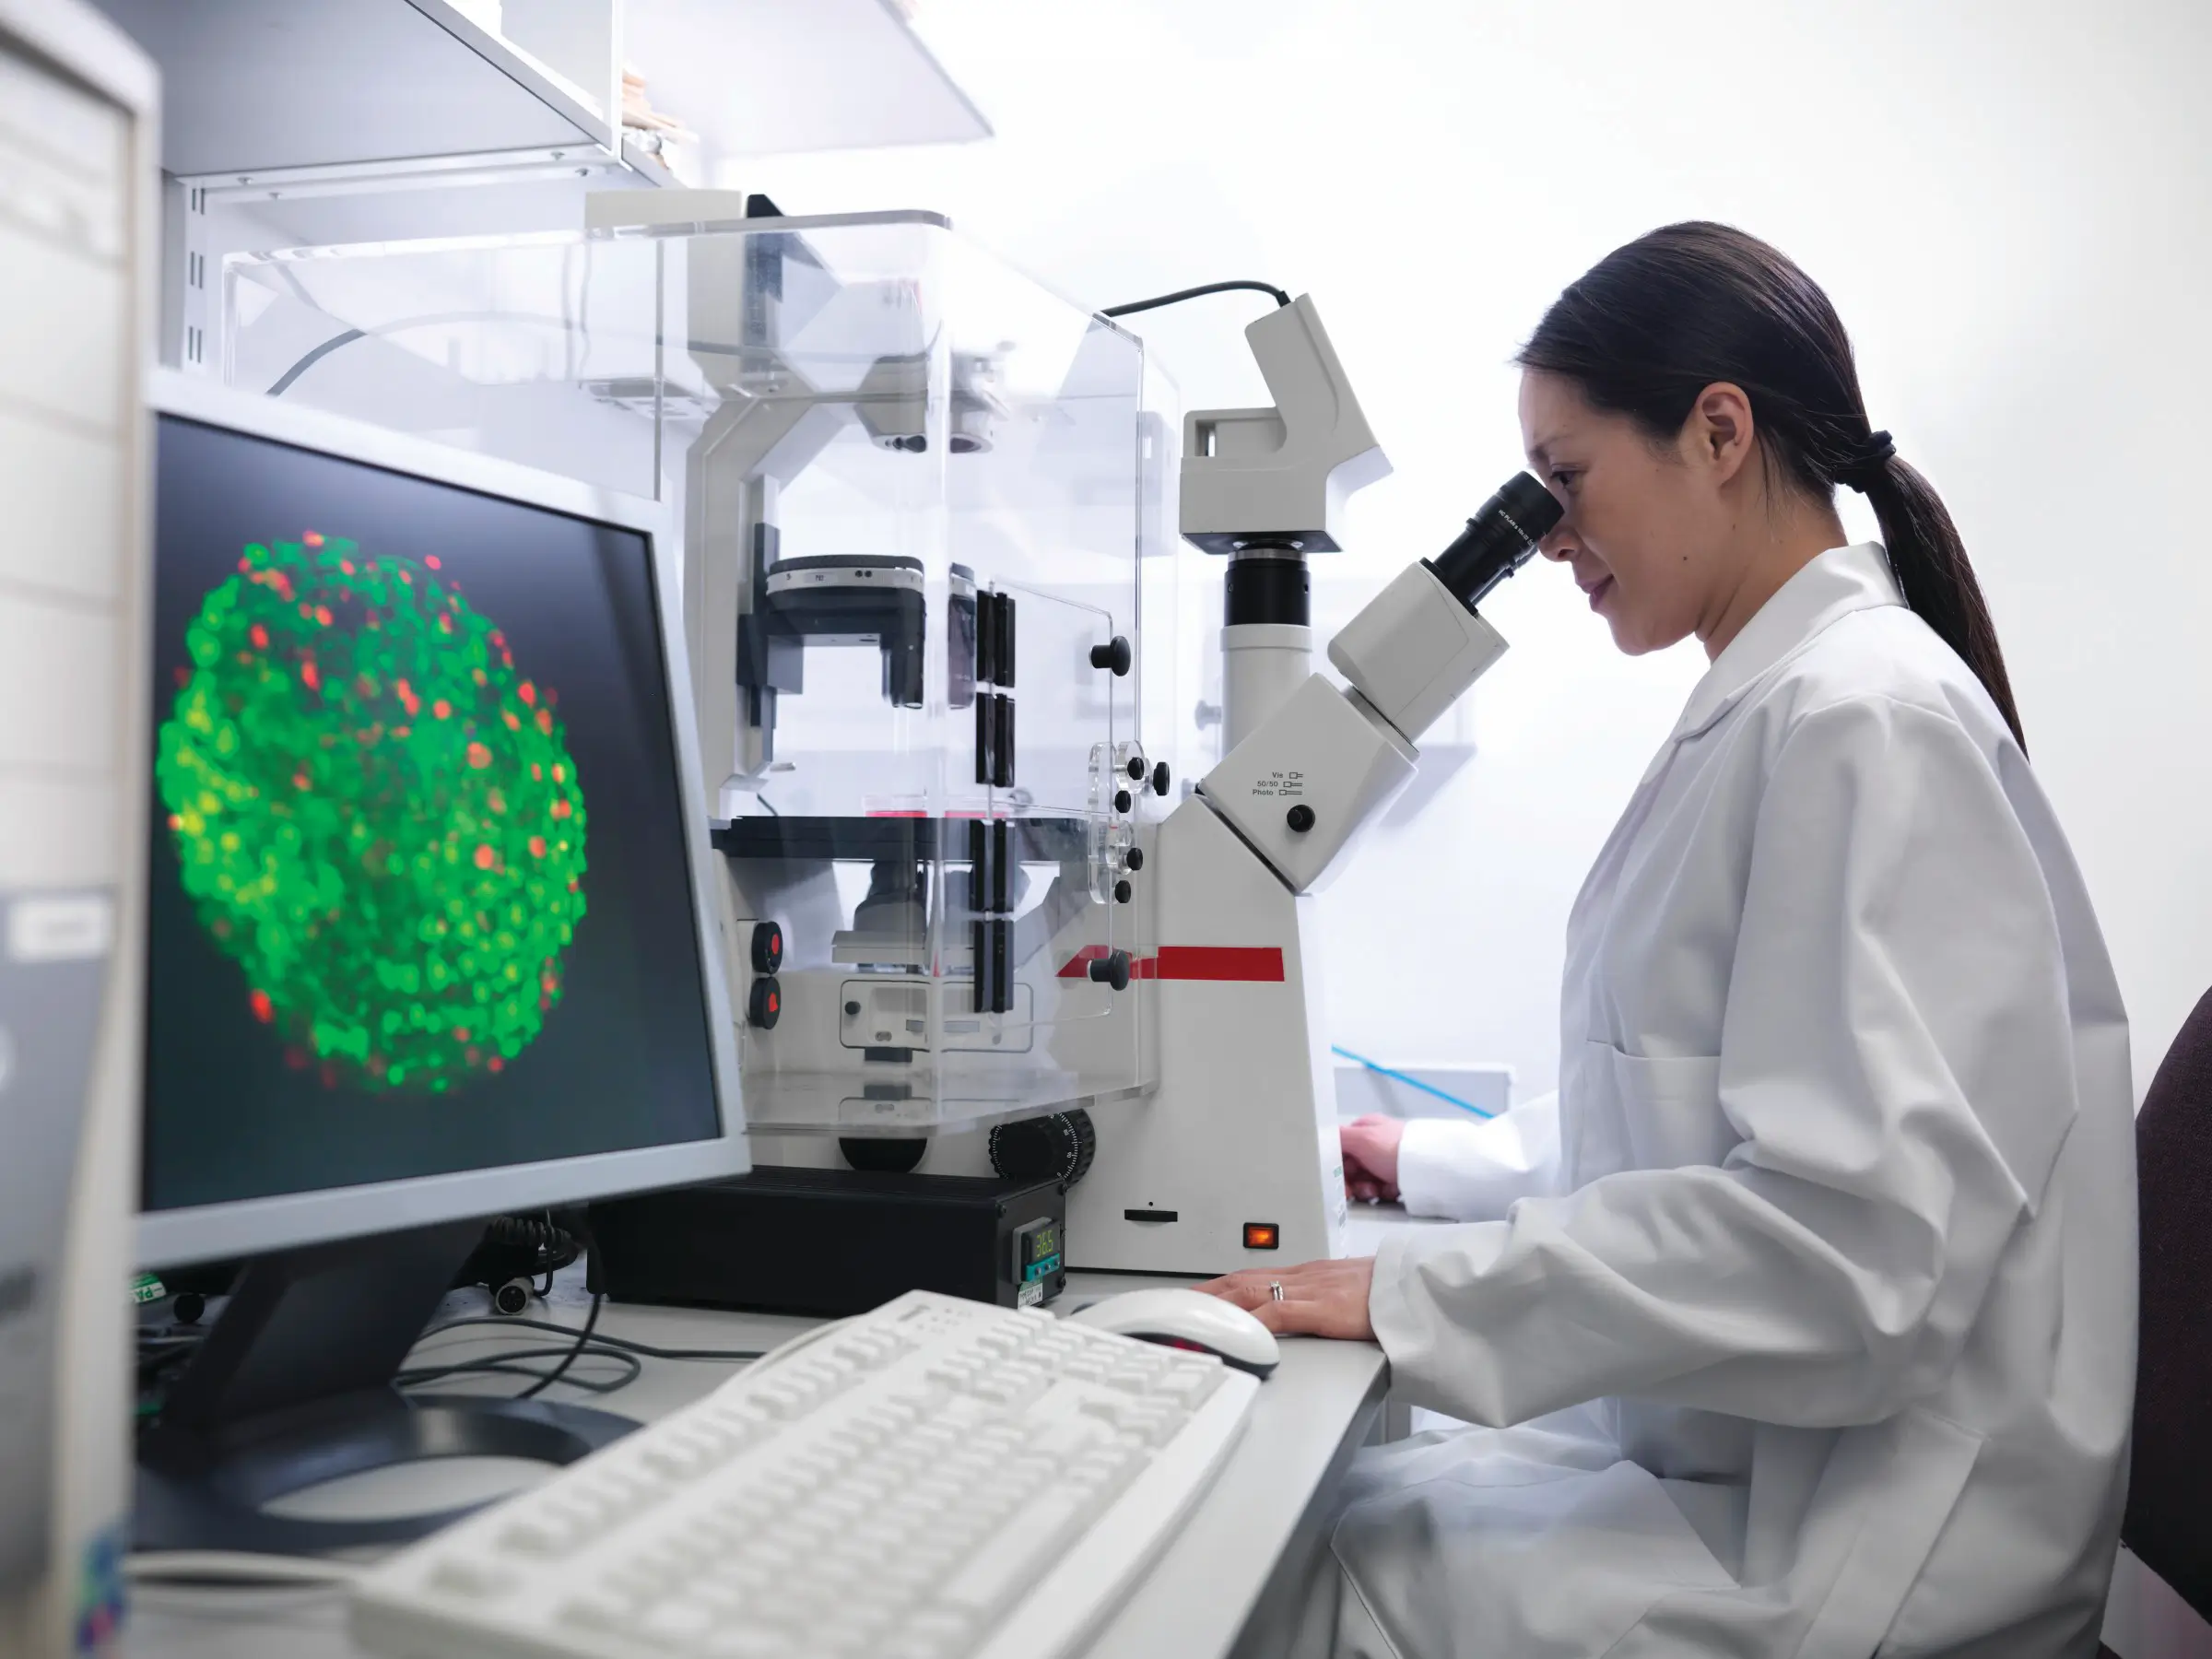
1180,295
507,1363
582,1338
645,1349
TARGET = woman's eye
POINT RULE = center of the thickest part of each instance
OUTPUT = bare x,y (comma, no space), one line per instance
1565,481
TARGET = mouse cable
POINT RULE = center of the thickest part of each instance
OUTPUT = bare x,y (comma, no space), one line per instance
1180,295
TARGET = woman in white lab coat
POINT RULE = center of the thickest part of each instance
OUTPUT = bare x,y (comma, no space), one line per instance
1802,1320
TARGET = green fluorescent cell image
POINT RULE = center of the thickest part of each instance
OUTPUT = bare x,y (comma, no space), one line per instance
376,815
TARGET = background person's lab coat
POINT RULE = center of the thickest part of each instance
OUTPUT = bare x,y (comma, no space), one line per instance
1836,1228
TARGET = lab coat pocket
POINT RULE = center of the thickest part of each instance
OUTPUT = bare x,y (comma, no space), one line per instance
1649,1112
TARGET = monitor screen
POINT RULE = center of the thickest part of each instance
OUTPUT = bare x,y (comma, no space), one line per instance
420,900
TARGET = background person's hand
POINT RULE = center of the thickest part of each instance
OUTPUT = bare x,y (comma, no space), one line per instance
1320,1299
1371,1156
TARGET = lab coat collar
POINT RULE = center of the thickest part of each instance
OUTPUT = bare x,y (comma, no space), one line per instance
1839,581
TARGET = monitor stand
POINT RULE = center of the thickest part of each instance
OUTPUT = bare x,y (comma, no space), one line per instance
292,1387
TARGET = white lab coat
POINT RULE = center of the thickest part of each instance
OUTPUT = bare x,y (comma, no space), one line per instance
1821,1330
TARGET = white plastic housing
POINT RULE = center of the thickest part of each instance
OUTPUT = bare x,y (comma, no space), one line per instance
1284,473
1243,1127
1323,751
1414,650
1262,664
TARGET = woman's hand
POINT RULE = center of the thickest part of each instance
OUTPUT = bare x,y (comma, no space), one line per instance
1320,1299
1371,1156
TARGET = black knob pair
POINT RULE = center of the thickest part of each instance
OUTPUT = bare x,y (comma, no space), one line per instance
1159,775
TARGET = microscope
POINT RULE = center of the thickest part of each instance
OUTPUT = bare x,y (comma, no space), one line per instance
930,571
1234,1160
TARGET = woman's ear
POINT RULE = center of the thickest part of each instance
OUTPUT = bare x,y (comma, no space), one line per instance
1720,432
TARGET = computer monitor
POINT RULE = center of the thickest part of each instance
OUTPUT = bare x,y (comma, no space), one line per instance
433,934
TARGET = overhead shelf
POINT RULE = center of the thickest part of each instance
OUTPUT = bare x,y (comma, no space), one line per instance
262,85
763,77
257,86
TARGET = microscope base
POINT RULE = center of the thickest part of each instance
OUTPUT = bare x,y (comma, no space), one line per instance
1242,1130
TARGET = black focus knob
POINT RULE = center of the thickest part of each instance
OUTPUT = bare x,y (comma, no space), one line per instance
1299,818
768,947
1113,968
1122,891
1056,1147
1121,802
1159,779
1116,654
764,1004
1136,768
1135,860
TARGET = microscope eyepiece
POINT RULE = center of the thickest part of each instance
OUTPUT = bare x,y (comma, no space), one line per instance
1497,540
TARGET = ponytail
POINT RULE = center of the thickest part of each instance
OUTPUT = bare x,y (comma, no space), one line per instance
1653,323
1931,567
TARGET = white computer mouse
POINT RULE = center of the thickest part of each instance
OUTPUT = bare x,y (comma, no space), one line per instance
1187,1319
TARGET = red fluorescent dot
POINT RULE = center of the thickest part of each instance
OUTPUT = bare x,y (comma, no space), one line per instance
460,1033
176,822
484,857
259,635
479,756
346,565
310,676
263,1010
305,608
561,772
537,842
495,1063
538,771
434,563
444,710
526,692
299,780
323,614
560,809
314,538
545,719
514,724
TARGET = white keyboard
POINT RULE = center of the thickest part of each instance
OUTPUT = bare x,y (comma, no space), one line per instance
937,1479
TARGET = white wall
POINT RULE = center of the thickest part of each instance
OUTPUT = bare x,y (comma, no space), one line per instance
2008,199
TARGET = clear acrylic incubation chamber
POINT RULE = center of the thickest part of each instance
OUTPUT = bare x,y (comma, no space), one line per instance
917,494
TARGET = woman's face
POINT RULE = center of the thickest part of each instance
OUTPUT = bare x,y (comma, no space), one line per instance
1647,525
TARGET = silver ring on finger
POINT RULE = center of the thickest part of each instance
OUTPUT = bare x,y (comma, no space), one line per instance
1275,1288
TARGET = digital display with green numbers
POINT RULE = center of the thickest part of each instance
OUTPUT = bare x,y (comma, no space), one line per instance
1037,1253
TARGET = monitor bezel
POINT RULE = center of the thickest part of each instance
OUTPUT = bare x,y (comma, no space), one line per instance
252,1226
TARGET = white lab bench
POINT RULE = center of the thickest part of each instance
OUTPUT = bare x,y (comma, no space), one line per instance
1216,1591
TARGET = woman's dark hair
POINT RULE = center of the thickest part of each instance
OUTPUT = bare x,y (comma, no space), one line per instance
1653,323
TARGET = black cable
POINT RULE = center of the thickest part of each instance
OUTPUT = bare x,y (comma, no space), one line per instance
509,1364
582,1337
1193,293
624,1343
